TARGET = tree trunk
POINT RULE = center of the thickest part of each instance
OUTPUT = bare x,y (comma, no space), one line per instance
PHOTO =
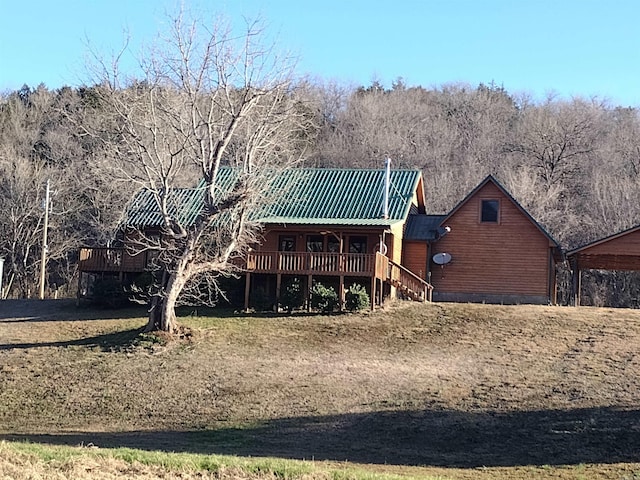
168,322
162,314
155,314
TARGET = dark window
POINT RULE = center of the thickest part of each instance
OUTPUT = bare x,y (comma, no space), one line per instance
315,243
333,244
357,244
490,211
287,243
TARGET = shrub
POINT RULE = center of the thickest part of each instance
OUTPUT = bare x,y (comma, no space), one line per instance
356,298
323,298
292,296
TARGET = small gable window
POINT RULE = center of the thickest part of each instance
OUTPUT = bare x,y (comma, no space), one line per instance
490,211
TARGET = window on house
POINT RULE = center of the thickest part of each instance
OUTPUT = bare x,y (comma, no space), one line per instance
287,243
357,244
490,211
315,243
333,244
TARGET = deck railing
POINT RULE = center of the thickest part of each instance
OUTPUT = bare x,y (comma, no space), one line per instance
111,260
313,263
405,279
292,263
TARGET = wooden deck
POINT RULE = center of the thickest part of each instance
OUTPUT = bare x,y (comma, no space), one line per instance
118,260
311,263
375,266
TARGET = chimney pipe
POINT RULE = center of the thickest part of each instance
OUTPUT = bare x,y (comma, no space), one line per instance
387,182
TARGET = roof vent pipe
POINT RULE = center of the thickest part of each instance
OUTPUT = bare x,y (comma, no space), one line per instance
387,182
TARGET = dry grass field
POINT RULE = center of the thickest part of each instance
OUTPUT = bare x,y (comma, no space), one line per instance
455,391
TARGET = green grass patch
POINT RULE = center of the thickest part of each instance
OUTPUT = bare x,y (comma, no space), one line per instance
54,456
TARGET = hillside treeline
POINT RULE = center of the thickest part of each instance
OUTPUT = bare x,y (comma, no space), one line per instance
573,164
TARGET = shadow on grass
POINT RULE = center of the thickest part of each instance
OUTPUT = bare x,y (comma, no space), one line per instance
113,341
31,310
228,312
428,438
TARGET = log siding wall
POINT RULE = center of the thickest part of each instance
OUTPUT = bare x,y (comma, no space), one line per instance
415,257
624,245
506,260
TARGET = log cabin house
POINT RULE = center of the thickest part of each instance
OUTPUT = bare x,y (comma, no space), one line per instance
495,251
345,226
335,226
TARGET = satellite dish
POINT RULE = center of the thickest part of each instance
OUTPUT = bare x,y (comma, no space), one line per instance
441,258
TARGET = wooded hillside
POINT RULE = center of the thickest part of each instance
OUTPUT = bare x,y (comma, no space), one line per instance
573,164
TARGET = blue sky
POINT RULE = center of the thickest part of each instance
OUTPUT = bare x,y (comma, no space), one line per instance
570,47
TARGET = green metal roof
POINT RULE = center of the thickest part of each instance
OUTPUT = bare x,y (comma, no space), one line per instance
341,197
304,196
183,205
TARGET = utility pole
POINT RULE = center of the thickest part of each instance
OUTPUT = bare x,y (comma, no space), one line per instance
1,268
45,246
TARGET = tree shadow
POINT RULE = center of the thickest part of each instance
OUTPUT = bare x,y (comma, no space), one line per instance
114,341
427,438
31,310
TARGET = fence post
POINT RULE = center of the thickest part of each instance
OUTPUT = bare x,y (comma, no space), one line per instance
1,273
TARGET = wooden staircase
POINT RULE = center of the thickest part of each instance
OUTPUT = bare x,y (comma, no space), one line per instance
409,285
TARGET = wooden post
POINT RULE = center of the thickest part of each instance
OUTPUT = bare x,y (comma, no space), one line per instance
278,285
341,292
308,292
247,286
373,293
427,274
554,300
553,280
576,281
78,293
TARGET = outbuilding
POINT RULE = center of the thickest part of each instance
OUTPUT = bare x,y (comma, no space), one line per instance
620,251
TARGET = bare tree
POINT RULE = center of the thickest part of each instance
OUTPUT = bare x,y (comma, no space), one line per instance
558,138
208,98
545,203
36,146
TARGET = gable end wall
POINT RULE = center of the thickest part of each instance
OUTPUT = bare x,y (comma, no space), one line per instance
508,261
